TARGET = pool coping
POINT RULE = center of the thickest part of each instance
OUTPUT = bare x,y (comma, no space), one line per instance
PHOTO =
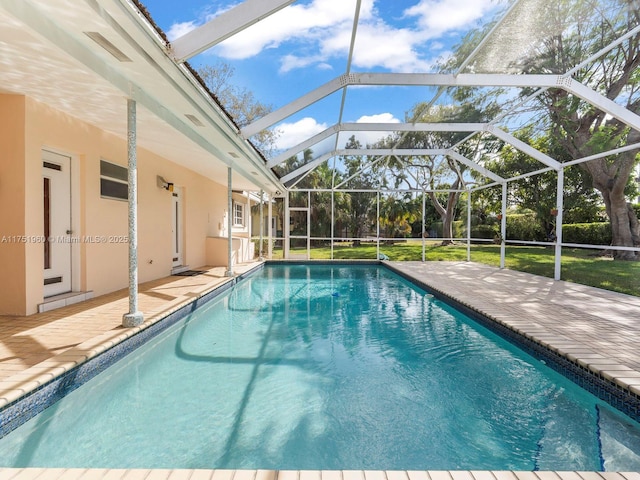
184,474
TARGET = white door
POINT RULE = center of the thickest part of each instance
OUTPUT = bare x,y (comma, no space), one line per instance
56,175
176,226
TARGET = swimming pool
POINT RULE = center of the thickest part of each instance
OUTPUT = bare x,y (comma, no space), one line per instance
327,367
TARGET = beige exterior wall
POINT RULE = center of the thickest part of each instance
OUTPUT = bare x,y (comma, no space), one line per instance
12,199
27,127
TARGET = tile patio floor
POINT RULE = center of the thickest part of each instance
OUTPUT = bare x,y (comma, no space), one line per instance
597,328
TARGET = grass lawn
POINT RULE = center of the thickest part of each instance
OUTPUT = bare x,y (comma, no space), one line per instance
578,265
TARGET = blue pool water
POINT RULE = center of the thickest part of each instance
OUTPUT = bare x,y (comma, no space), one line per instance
327,367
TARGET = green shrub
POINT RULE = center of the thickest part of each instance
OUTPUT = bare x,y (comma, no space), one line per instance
459,228
589,233
525,227
484,231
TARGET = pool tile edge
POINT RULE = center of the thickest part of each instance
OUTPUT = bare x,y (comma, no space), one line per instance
126,474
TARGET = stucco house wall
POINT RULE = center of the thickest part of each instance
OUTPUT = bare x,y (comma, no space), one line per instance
26,128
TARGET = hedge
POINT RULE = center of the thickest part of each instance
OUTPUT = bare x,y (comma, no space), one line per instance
589,233
526,227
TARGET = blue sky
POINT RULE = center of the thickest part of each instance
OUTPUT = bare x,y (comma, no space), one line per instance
306,44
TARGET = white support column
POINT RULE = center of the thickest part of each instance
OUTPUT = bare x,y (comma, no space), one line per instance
229,271
270,228
309,225
424,224
261,225
333,226
503,226
285,227
134,317
378,225
560,207
468,225
247,221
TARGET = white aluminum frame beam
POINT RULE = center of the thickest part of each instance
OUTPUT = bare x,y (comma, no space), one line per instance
524,147
475,166
391,79
301,147
361,170
623,114
412,127
305,168
448,80
397,152
375,127
224,26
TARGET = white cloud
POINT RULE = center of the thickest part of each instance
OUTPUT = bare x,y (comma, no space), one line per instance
440,16
319,32
292,62
179,29
306,23
378,118
370,138
291,134
394,49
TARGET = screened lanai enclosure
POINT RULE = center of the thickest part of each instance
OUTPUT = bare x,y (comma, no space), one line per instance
408,126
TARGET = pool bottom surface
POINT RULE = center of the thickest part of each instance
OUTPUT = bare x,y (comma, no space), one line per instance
326,367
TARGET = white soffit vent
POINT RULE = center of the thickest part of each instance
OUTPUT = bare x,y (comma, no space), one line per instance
108,46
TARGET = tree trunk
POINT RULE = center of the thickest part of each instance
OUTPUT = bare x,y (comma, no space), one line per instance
446,213
611,183
610,176
624,225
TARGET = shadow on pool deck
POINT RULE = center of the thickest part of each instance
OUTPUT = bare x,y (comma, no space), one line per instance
34,348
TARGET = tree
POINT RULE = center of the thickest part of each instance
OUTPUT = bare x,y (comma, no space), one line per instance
581,129
396,215
429,173
538,192
239,102
359,204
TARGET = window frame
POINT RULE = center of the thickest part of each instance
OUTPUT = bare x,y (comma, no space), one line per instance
111,175
238,211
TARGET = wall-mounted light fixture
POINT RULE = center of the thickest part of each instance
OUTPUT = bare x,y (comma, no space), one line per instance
162,183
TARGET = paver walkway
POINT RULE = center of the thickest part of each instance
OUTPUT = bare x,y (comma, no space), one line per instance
597,328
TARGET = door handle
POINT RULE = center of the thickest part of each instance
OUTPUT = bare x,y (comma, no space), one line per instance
69,232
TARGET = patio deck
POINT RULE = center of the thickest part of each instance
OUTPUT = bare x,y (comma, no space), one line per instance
596,328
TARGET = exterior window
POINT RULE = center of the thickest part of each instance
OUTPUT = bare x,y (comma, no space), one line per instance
113,181
238,214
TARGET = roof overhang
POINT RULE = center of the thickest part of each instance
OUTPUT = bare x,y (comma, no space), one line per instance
85,58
